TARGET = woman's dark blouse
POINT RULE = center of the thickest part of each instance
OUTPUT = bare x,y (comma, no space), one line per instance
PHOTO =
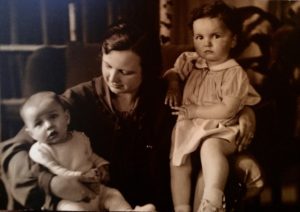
137,145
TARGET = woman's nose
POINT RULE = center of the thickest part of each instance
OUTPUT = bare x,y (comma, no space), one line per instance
113,75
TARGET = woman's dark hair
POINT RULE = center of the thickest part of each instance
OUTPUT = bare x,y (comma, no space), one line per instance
218,9
128,36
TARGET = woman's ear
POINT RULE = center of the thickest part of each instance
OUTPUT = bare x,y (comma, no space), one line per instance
234,41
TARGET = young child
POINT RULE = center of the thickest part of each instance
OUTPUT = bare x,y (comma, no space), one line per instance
69,153
216,89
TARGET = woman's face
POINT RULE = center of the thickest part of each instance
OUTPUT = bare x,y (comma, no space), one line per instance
122,71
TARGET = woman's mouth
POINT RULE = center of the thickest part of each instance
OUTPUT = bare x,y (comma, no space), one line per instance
116,85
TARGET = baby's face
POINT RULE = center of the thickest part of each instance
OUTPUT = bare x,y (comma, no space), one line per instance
212,40
47,122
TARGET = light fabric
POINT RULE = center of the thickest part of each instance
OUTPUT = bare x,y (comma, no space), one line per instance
208,86
70,158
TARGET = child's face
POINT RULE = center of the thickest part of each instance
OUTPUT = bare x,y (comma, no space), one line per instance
47,122
212,40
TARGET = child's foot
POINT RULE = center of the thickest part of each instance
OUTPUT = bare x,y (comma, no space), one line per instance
207,206
145,208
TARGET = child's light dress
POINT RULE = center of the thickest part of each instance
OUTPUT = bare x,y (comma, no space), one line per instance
207,86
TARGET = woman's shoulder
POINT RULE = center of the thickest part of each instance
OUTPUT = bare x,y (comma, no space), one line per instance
83,91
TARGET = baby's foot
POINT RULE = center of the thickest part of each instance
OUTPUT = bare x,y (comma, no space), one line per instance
207,206
145,208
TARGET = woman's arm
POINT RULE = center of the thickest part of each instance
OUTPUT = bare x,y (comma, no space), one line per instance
224,110
247,123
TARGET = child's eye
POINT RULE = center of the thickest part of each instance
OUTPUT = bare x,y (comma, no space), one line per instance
53,116
38,123
216,36
198,37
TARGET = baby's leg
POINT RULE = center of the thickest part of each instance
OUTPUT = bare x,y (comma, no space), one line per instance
181,186
67,205
213,154
111,199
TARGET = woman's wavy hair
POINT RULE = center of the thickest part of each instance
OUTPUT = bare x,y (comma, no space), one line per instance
125,35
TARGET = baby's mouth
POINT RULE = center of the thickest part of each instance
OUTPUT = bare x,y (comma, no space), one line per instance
52,135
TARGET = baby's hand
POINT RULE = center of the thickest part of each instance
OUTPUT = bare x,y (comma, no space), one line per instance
173,96
103,172
90,176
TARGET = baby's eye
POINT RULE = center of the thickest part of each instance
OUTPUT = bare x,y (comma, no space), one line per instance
53,116
38,123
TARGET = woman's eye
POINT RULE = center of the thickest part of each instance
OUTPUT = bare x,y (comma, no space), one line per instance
107,65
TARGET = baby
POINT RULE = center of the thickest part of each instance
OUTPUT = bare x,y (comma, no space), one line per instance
69,153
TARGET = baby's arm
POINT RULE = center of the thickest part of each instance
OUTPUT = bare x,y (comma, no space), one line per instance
224,110
102,167
41,156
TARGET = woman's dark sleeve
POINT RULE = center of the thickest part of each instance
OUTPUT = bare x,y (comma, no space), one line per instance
26,183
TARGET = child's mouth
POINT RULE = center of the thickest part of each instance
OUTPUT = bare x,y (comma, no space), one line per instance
52,135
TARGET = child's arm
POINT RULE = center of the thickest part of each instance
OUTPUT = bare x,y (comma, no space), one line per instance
41,156
102,167
226,109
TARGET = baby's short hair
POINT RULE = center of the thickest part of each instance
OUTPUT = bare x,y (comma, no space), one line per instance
38,97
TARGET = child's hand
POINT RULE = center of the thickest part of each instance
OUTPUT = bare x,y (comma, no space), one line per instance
103,172
186,111
173,97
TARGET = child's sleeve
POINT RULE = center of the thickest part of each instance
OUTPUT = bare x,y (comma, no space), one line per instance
41,155
183,65
236,85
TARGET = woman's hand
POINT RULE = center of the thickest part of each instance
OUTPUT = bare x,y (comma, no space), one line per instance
173,97
70,188
247,125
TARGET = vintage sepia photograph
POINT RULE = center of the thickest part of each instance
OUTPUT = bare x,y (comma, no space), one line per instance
150,105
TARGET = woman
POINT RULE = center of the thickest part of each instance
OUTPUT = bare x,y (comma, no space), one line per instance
123,114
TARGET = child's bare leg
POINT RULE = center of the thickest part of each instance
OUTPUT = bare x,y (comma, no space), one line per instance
213,154
181,186
112,200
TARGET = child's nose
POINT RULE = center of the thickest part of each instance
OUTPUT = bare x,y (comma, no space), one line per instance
207,42
48,124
